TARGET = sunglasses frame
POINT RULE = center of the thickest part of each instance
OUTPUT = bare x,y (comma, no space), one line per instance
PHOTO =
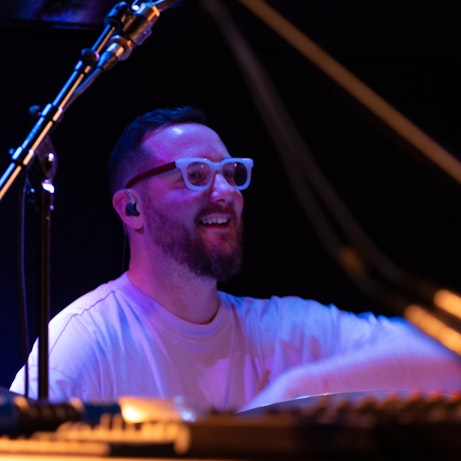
183,163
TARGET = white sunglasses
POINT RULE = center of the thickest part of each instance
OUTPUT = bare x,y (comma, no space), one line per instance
198,173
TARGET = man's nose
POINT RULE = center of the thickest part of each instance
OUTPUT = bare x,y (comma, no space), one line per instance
220,188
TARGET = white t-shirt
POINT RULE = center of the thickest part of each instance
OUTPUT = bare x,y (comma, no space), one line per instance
116,341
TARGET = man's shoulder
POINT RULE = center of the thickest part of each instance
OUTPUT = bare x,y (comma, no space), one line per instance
273,303
100,297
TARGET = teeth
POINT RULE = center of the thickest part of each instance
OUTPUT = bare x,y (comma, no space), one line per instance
214,221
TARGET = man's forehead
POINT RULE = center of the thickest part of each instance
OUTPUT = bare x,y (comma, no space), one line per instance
177,130
184,140
180,130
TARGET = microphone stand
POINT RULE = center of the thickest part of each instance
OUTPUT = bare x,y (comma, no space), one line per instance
125,27
41,192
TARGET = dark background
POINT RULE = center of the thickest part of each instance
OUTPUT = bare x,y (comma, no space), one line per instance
409,54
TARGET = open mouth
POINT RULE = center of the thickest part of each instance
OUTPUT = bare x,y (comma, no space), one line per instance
214,221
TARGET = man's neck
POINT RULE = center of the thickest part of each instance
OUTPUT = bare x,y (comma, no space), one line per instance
186,295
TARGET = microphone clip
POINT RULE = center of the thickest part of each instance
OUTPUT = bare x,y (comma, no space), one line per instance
136,27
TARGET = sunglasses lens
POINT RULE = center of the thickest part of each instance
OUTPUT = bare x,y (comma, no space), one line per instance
236,173
198,173
240,174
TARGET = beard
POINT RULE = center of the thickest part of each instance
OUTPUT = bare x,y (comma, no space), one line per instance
219,260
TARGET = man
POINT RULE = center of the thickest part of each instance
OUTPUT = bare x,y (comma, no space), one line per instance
163,329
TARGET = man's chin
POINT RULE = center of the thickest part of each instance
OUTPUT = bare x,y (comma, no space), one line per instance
221,261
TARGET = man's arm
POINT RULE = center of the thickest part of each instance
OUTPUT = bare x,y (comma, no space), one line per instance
405,360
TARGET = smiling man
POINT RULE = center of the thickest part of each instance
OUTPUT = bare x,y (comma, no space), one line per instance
188,224
162,329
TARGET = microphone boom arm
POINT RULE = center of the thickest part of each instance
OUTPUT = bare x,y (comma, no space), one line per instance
126,27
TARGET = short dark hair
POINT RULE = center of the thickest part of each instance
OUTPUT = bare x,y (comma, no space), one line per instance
128,149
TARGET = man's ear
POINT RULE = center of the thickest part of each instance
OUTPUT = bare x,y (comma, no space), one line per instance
125,204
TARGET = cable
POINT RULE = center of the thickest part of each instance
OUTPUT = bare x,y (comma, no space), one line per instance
336,227
299,161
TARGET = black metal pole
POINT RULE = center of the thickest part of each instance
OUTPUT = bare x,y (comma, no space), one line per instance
46,207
